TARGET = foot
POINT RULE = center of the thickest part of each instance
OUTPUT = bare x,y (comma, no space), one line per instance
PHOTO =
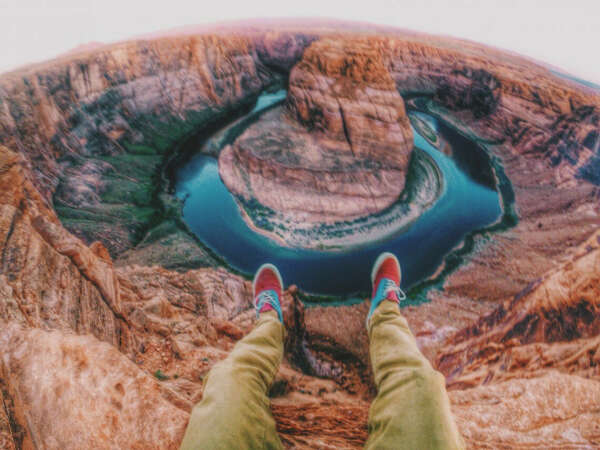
267,289
385,279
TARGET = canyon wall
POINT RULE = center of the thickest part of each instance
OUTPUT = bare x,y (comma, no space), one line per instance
535,356
96,127
540,127
553,323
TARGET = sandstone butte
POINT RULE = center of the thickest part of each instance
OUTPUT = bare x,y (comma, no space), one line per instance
111,313
350,154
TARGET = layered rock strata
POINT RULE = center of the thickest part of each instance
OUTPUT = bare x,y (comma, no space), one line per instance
312,184
343,89
535,356
97,128
341,147
553,323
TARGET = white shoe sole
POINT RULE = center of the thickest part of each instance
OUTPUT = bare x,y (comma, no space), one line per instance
260,269
379,262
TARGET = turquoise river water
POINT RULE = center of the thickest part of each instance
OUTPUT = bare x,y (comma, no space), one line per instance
466,204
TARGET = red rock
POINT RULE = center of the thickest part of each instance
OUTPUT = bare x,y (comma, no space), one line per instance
350,155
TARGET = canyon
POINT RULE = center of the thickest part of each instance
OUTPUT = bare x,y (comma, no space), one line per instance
112,312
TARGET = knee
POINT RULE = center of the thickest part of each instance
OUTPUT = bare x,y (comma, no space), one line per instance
431,384
429,374
430,377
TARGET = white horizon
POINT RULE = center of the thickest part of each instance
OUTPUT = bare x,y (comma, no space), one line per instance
558,33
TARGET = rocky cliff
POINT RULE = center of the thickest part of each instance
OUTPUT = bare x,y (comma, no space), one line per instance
540,127
552,323
535,356
96,127
342,88
101,346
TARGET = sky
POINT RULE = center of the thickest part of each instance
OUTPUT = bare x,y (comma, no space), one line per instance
563,33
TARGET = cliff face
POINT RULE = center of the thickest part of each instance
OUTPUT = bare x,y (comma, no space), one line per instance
540,127
48,276
49,107
96,127
126,346
504,98
342,88
553,323
535,357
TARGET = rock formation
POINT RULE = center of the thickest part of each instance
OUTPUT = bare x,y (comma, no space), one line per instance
343,89
96,335
553,323
86,395
535,356
339,149
96,126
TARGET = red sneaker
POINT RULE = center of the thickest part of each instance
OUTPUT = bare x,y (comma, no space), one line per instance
385,278
267,289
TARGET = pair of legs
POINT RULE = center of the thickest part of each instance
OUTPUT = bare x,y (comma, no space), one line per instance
411,409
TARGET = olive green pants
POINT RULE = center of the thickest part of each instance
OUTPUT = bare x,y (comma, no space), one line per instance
411,409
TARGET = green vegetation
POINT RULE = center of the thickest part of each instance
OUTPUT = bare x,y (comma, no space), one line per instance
159,375
424,129
260,215
135,207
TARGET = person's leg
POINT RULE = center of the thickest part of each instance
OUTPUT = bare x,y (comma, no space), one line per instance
411,409
235,410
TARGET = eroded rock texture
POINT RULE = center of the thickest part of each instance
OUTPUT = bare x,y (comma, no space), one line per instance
101,353
86,394
343,88
551,323
339,149
537,125
97,127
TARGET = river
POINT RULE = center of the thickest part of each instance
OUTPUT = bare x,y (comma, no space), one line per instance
466,204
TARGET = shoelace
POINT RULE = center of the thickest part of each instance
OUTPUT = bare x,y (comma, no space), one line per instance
390,286
269,297
272,299
385,287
